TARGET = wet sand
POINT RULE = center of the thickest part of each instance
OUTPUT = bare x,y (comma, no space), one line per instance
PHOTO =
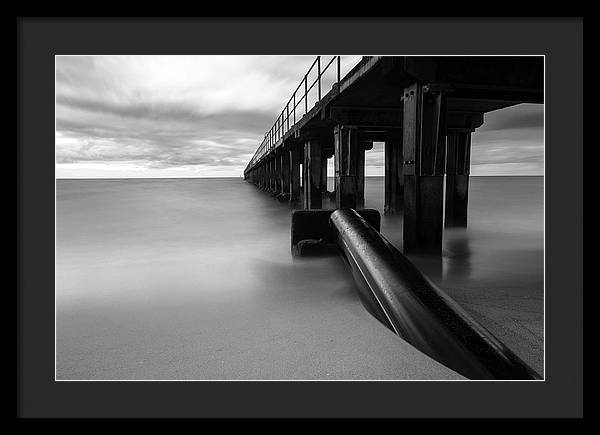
193,279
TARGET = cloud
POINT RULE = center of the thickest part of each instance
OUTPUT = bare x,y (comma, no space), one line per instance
157,112
206,115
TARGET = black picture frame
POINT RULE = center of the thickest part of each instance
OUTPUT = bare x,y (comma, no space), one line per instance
560,40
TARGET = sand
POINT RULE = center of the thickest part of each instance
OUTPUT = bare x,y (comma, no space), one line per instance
194,281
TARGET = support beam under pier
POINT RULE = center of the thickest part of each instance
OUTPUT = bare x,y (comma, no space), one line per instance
294,186
394,177
360,173
324,173
424,145
284,158
458,162
271,174
312,177
266,175
259,176
349,162
276,173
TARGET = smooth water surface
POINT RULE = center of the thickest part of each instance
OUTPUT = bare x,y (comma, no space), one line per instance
193,279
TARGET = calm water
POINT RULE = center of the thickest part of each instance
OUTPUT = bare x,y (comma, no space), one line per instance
193,279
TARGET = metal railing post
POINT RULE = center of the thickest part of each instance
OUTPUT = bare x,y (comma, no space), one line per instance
283,124
319,76
305,94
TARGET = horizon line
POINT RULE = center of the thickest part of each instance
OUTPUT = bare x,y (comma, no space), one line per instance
196,178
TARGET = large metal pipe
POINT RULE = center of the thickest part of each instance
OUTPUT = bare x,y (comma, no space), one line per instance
415,309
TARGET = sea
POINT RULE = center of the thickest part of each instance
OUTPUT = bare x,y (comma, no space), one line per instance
193,279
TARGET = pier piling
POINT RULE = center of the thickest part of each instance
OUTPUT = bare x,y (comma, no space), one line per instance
277,173
424,138
294,186
313,177
423,107
348,160
457,177
284,158
394,178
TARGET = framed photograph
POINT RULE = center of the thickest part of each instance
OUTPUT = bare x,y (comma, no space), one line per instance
265,227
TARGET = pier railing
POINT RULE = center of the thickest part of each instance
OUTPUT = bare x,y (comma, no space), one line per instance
298,104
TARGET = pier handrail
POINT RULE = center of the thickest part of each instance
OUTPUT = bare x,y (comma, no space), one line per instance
282,124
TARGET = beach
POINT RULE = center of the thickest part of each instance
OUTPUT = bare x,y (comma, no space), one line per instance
192,279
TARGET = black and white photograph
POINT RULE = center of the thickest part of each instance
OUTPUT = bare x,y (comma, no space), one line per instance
299,217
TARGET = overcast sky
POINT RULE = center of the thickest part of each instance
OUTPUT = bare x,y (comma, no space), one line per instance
204,116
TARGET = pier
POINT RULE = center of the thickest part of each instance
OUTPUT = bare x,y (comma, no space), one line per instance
424,109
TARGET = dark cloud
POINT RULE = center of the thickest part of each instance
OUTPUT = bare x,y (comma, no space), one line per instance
168,112
211,112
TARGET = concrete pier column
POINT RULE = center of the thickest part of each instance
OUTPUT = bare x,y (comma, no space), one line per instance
349,158
271,174
324,173
327,154
360,174
458,162
285,172
276,173
312,177
294,186
394,176
266,175
424,146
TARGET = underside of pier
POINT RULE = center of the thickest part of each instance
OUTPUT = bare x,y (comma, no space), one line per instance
424,109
